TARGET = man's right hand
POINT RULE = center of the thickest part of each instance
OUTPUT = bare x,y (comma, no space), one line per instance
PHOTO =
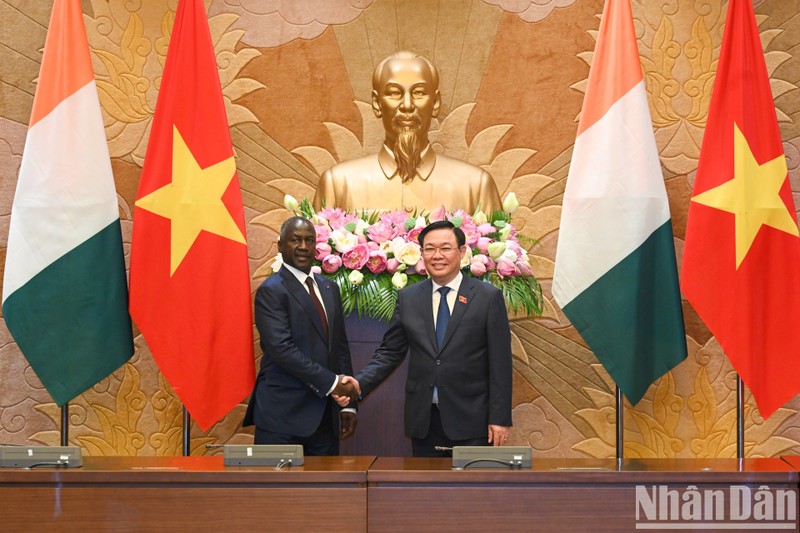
346,390
351,379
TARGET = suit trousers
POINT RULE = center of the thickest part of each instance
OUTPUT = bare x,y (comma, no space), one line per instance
436,437
323,441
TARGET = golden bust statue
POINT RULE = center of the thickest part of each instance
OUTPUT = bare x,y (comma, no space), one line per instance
406,174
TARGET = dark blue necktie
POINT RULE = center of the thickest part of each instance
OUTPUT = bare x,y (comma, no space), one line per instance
442,316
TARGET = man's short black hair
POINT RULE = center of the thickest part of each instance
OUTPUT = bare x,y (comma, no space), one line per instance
461,239
292,222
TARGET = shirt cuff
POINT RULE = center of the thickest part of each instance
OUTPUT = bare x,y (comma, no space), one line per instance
335,382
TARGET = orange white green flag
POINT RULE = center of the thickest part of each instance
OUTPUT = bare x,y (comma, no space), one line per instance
741,262
190,279
616,275
65,295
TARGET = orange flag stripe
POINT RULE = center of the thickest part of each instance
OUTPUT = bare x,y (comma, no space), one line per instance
615,63
59,58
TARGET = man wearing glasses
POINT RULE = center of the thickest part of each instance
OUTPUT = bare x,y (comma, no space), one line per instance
458,391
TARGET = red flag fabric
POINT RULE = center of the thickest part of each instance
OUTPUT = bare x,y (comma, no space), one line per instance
741,263
189,277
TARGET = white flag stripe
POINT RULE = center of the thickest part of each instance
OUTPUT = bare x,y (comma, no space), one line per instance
65,192
611,203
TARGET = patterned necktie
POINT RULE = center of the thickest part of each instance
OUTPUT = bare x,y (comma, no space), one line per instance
442,316
318,305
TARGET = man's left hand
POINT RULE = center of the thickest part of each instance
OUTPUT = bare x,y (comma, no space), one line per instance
498,435
347,422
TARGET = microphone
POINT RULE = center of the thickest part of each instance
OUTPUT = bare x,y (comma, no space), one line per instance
443,448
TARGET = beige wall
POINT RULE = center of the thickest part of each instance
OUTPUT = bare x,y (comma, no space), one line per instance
297,85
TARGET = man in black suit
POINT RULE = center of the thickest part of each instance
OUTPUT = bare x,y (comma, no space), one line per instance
306,354
458,391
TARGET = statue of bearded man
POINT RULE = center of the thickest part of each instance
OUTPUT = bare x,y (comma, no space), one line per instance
406,174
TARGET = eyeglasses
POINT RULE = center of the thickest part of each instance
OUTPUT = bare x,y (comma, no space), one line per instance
444,250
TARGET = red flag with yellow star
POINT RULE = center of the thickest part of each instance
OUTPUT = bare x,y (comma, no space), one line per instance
741,263
189,278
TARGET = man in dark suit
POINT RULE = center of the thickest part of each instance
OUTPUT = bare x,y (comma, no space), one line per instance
458,391
299,317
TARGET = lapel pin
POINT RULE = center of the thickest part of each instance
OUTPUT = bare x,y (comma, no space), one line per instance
462,299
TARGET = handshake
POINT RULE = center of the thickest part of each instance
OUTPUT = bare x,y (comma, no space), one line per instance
346,390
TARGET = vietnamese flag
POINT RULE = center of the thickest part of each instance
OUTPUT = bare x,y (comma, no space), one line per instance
189,278
741,264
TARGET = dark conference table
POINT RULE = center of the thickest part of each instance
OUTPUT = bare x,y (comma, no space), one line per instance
173,494
360,493
555,495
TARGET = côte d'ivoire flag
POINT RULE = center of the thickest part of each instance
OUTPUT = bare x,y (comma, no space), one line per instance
615,275
741,262
65,296
190,279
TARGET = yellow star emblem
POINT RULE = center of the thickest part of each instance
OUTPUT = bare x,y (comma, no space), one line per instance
752,196
193,201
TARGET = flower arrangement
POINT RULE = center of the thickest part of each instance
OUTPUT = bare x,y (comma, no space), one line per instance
372,255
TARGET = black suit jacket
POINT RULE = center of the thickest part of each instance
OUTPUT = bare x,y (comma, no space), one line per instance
472,371
299,364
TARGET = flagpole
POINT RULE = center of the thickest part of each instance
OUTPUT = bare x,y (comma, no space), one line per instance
739,417
620,451
65,424
187,429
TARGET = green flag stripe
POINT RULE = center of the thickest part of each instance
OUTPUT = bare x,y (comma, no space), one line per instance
71,320
631,317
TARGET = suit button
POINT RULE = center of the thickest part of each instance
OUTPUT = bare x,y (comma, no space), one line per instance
438,362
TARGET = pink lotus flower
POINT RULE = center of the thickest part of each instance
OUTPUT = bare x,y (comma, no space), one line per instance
524,269
420,268
381,232
338,219
331,264
482,258
395,218
471,232
477,267
440,213
486,229
331,215
323,233
472,238
506,268
483,244
376,262
356,257
514,247
323,250
392,265
413,235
